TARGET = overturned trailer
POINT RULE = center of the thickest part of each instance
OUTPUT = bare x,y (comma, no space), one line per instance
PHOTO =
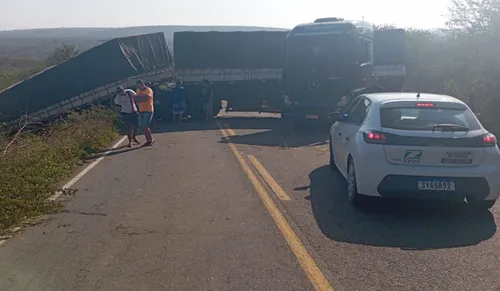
243,68
88,77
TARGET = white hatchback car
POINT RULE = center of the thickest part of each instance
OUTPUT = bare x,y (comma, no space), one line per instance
411,145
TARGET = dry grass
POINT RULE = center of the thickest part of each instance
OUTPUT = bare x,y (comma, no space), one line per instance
35,164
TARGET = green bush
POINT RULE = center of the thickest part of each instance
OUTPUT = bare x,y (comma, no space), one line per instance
461,60
462,65
35,164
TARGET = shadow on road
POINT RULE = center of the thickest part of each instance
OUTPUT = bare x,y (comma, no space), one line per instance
273,132
191,125
417,225
268,130
113,152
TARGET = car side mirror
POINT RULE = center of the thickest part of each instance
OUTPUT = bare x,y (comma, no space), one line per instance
335,116
345,117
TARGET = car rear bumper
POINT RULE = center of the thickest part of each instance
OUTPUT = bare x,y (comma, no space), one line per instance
382,179
401,186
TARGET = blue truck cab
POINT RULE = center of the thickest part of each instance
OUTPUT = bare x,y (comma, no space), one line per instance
324,61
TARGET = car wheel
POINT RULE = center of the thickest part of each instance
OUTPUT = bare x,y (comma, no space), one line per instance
352,189
333,167
481,204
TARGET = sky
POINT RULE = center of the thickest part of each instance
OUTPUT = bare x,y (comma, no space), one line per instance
26,14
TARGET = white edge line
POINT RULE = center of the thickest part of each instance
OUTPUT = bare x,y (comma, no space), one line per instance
86,170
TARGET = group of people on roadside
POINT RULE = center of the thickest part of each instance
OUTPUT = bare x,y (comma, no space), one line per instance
137,108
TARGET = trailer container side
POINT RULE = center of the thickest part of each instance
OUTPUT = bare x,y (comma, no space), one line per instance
243,68
99,69
389,49
236,49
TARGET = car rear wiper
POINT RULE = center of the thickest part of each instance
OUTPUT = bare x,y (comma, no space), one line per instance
450,127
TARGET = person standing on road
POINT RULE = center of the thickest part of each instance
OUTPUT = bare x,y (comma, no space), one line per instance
179,103
129,113
144,98
207,97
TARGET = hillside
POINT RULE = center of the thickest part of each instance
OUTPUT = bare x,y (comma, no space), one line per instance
37,43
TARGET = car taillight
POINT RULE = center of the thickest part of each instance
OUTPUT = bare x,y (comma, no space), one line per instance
489,140
373,136
425,105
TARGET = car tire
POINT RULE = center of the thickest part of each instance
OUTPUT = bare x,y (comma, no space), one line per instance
333,167
481,204
353,196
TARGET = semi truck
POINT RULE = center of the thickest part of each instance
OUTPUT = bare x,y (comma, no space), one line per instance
87,78
301,73
243,68
331,58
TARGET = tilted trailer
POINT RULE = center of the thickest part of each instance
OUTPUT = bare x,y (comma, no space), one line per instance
87,78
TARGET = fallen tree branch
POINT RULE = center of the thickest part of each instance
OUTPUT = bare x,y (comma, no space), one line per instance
15,137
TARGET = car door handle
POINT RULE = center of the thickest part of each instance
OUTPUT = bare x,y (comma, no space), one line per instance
347,139
340,134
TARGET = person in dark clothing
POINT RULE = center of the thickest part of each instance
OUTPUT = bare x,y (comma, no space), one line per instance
207,98
178,102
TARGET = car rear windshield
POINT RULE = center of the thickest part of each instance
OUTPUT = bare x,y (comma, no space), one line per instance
411,118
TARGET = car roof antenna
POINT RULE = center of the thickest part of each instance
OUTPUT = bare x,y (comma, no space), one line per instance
418,95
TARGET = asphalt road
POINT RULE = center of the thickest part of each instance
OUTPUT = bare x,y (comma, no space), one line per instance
259,210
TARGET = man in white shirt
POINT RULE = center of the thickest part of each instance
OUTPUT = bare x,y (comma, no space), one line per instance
129,113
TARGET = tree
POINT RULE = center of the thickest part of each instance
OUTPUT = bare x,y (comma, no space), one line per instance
385,26
474,16
62,54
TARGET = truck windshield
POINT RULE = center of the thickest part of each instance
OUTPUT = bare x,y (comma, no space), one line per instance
335,52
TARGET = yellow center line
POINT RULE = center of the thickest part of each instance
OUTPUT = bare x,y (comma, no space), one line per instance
269,179
306,261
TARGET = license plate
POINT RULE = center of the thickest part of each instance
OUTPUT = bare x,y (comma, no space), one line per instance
457,158
311,116
436,185
456,161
